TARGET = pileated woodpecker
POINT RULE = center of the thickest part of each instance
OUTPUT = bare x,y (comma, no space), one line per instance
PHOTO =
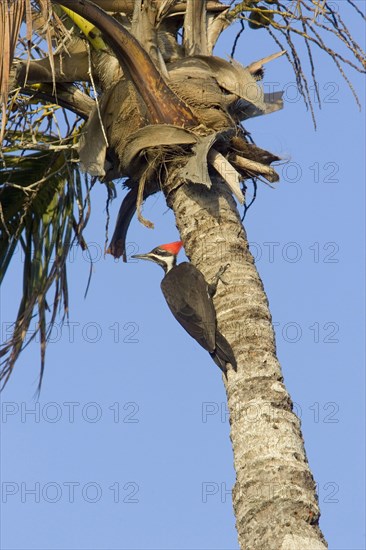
189,298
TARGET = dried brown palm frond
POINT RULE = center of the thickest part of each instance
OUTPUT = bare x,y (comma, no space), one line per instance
317,23
36,15
11,16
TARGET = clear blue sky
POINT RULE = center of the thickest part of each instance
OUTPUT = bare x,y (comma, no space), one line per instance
128,447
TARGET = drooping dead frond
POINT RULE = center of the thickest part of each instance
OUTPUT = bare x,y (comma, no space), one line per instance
227,172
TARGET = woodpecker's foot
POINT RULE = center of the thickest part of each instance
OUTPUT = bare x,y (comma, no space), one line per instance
212,287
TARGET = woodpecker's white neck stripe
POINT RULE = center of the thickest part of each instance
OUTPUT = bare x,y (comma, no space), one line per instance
167,262
170,262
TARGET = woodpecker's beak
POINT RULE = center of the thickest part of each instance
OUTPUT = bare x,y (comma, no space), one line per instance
142,257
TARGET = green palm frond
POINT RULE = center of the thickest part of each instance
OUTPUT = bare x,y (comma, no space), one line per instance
43,199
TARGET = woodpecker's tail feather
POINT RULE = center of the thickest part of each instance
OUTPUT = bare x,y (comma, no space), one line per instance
223,353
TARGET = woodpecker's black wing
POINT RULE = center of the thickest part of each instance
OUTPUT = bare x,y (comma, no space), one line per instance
185,290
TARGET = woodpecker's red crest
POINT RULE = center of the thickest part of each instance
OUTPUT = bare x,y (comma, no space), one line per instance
173,248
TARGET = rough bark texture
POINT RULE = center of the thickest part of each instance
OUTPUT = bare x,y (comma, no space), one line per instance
274,494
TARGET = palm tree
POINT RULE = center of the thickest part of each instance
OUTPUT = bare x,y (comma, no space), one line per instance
150,103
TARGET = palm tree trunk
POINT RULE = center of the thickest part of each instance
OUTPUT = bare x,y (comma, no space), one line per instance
274,495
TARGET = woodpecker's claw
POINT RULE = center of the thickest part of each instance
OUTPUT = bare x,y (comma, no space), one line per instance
218,277
221,272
